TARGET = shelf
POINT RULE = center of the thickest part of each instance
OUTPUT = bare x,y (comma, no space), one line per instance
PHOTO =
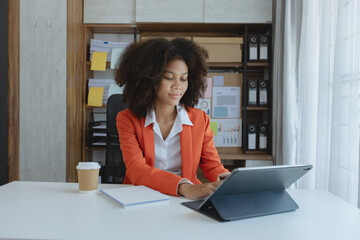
211,64
256,108
226,64
95,148
201,29
248,156
257,64
91,107
111,28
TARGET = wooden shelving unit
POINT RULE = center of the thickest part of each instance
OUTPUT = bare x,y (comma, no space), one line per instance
249,70
89,31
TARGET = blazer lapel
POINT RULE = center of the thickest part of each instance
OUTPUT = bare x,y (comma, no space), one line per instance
148,143
186,152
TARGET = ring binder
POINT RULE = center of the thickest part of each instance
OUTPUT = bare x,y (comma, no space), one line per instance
263,91
264,48
262,137
252,93
253,48
252,137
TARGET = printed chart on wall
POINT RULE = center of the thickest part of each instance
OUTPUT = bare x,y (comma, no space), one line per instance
226,102
204,104
227,132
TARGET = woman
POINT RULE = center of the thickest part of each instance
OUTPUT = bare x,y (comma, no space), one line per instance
162,137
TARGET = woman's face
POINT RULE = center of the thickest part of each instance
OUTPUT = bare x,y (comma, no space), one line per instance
173,84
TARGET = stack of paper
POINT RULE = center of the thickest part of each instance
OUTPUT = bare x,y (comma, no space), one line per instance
103,46
104,83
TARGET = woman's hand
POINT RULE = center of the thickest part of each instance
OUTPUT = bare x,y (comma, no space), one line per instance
197,191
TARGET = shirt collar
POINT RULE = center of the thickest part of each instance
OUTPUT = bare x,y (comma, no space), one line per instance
182,115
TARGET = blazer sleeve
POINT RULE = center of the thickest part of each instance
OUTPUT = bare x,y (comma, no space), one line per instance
210,161
138,169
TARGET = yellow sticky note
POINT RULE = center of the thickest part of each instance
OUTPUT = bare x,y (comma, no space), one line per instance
95,97
213,126
98,62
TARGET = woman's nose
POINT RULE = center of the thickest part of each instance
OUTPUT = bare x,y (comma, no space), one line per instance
177,84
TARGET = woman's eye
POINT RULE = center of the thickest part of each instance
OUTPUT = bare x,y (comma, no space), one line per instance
184,79
168,78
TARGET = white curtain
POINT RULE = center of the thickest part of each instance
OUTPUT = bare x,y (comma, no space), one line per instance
320,102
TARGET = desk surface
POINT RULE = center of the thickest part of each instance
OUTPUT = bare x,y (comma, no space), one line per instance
37,210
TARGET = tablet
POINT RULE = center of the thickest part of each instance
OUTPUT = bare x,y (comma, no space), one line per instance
251,192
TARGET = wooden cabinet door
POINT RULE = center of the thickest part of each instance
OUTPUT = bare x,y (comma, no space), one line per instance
240,11
109,11
169,11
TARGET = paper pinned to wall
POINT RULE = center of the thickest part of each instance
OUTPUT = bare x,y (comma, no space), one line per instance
213,126
218,80
95,97
205,105
207,93
228,132
115,56
98,62
226,102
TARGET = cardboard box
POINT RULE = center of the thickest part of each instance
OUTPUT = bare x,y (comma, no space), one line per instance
224,49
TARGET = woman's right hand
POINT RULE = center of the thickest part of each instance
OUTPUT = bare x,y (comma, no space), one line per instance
197,191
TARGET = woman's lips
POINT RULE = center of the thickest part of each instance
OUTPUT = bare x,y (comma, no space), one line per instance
175,95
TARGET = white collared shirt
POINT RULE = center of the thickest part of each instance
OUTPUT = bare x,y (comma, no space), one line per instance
168,151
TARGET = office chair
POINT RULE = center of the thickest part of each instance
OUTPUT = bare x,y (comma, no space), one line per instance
114,169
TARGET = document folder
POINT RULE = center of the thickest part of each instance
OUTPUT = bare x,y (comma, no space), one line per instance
252,137
263,92
262,136
252,93
264,47
251,192
253,48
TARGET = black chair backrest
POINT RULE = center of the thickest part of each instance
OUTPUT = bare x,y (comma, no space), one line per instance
114,171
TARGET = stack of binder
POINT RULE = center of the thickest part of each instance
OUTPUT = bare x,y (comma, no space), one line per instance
104,46
105,83
257,136
258,48
257,93
97,128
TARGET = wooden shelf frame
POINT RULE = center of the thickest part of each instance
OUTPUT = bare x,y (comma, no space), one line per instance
89,31
199,30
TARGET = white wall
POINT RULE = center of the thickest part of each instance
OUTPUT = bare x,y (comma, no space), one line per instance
43,26
238,11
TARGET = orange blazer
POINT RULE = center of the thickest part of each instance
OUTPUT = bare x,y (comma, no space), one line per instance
138,149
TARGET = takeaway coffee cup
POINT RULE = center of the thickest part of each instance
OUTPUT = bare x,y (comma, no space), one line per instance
88,175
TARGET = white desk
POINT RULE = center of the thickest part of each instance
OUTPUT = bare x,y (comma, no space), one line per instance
34,210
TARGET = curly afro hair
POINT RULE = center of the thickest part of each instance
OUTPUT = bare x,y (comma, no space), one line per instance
142,64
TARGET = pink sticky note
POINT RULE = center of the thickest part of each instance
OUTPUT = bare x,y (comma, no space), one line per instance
207,93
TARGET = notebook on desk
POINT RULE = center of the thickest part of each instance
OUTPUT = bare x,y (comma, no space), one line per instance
134,195
251,192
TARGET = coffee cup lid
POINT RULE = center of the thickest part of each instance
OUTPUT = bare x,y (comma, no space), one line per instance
88,165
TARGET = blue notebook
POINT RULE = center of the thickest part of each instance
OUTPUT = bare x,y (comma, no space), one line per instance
134,195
